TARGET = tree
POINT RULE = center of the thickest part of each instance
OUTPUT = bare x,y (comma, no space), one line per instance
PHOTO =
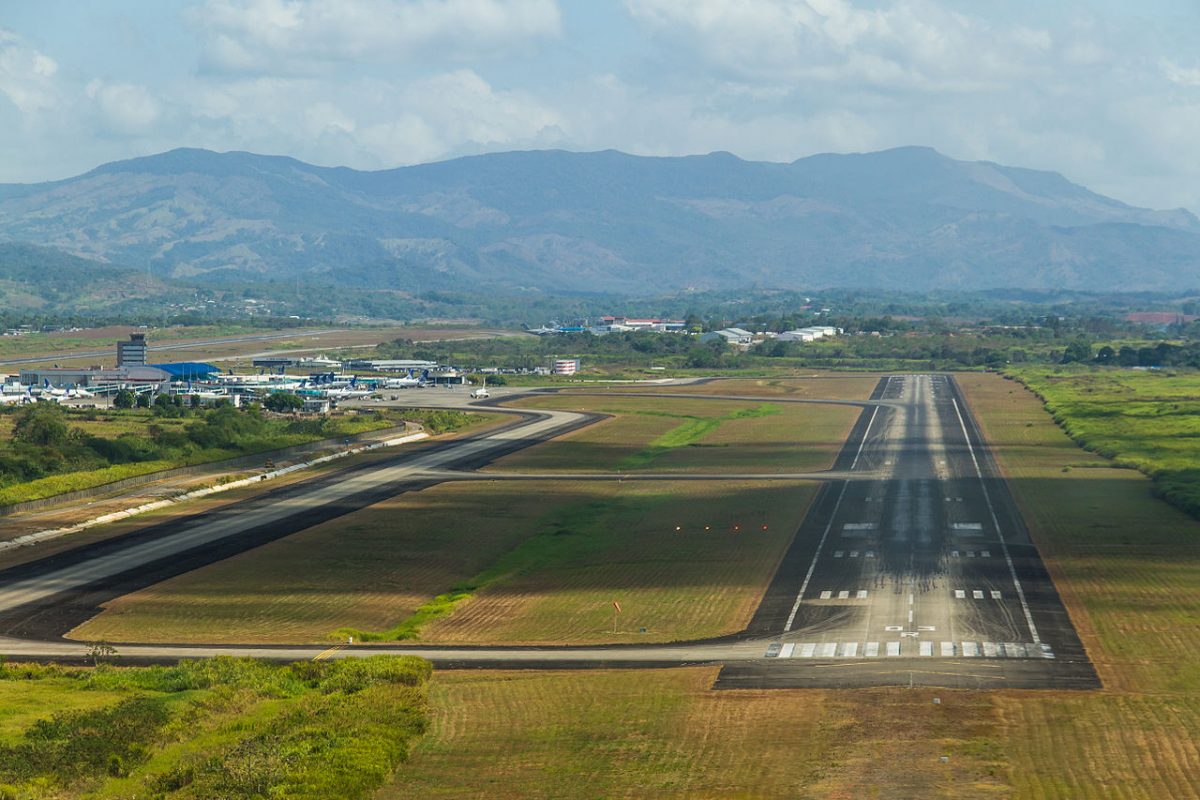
43,424
1078,350
282,402
123,399
1106,355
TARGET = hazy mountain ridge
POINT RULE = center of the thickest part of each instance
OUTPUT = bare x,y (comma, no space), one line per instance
606,221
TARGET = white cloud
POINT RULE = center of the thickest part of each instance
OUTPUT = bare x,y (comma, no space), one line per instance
296,35
1183,76
912,44
27,76
124,108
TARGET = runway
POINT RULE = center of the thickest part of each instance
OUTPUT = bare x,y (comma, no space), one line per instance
927,561
912,567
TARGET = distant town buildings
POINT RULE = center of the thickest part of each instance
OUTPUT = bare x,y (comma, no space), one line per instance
808,334
734,336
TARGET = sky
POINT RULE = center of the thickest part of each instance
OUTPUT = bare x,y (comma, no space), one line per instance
1106,92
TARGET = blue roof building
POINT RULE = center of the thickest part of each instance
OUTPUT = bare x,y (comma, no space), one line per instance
189,370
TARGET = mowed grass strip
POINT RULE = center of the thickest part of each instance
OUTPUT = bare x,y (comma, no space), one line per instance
805,384
366,570
666,435
704,579
665,734
1128,568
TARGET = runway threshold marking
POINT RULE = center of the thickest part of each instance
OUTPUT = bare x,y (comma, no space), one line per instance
829,525
1012,569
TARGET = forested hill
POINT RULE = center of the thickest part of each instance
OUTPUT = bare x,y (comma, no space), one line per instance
554,221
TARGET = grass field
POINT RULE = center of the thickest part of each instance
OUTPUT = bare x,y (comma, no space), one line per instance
219,728
544,560
665,734
1128,567
1148,420
685,435
803,385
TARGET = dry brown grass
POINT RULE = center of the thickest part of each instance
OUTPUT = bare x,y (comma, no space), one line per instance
665,734
1128,568
622,545
791,438
806,385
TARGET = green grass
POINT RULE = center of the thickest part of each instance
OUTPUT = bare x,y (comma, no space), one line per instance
115,424
689,432
217,728
1144,420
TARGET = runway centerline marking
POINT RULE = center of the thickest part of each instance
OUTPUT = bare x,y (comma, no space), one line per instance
829,525
1012,569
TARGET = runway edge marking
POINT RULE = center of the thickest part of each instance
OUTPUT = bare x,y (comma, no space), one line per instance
829,525
1012,569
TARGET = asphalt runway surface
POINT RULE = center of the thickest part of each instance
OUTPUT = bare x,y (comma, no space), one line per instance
924,571
912,567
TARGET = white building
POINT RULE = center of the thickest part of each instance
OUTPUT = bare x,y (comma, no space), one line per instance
737,336
566,366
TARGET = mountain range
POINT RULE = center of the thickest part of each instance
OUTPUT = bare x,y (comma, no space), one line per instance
562,222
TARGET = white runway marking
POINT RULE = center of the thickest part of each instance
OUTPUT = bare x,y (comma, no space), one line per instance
871,650
850,650
843,595
870,554
986,553
990,650
893,648
970,649
960,594
854,554
826,595
862,594
786,650
829,525
807,649
1012,569
947,649
826,649
968,526
838,553
995,595
977,594
926,648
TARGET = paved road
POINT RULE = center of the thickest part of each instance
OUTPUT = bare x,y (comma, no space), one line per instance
912,567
